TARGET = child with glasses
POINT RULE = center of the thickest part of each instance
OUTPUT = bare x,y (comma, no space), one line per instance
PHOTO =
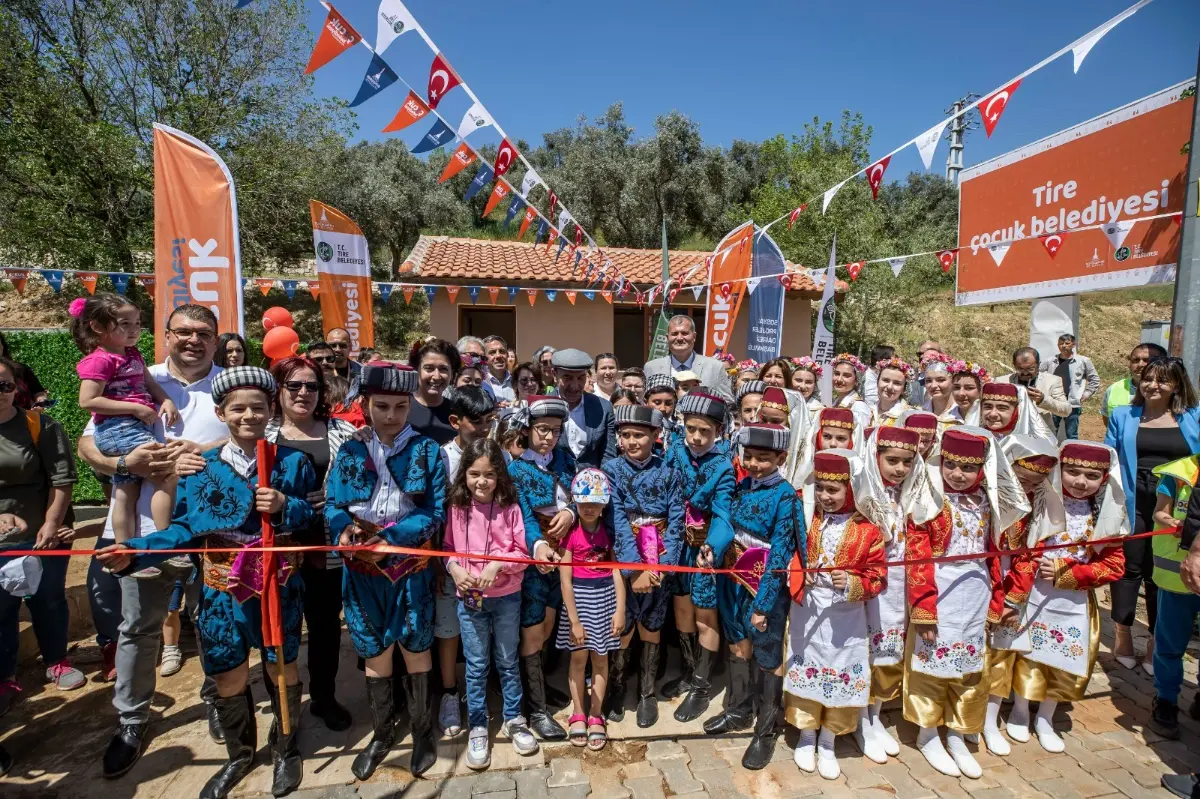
125,402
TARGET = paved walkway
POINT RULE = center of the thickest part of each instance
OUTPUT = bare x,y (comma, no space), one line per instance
58,738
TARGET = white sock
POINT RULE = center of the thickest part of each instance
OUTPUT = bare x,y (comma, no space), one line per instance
1043,725
806,751
992,736
930,744
1018,719
963,758
866,739
827,764
890,745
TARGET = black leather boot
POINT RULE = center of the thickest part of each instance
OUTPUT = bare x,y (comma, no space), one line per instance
420,706
236,714
286,766
533,679
383,719
214,723
647,709
683,683
762,745
614,694
739,701
696,702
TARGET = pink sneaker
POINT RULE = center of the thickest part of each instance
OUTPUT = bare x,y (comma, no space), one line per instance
65,676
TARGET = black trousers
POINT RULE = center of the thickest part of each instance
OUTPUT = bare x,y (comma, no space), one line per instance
322,616
1139,558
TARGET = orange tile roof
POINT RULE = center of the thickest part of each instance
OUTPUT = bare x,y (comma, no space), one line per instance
446,259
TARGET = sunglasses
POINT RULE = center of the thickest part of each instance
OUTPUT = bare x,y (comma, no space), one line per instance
322,358
7,387
294,386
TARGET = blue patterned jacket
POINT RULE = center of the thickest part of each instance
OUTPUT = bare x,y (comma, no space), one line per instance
217,499
654,490
418,470
774,514
535,488
708,485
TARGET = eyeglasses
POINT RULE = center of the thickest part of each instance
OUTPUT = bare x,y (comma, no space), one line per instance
7,387
294,386
545,430
528,381
322,358
187,333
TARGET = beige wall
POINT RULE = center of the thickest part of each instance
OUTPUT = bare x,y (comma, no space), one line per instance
587,325
443,317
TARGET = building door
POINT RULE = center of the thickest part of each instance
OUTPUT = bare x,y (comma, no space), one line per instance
482,322
631,335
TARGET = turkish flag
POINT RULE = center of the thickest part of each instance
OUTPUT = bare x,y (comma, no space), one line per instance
992,106
1052,243
726,290
411,110
875,175
785,281
442,78
337,37
530,215
553,202
854,269
792,216
947,258
498,194
462,158
578,235
505,157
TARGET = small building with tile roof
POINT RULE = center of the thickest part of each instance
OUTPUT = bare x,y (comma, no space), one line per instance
594,325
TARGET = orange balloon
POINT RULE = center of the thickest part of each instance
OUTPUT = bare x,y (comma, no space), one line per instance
277,317
280,342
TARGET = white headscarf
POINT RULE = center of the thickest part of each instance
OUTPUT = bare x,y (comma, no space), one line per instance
804,461
799,420
869,497
1029,421
1005,495
916,500
1112,520
1049,516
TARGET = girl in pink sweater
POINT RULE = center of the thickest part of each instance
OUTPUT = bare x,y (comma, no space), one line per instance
483,518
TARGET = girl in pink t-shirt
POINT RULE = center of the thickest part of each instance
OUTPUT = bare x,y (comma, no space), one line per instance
593,616
124,401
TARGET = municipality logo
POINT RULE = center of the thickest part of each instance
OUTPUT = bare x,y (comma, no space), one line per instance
325,252
398,27
829,315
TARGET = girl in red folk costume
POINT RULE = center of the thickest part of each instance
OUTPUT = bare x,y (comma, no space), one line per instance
926,424
831,428
1061,614
945,662
1005,409
827,684
1035,465
893,463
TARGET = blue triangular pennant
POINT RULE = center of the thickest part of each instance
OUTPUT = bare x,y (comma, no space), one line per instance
562,245
54,277
120,282
289,286
243,3
578,258
474,292
429,292
385,291
482,178
512,293
438,135
591,295
379,76
245,281
514,208
551,294
541,231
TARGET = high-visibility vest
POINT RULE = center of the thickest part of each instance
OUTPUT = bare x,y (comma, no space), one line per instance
1167,552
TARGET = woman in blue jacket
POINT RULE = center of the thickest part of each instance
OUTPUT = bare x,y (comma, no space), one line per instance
1162,425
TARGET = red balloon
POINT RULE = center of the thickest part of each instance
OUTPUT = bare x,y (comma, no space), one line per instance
277,317
280,342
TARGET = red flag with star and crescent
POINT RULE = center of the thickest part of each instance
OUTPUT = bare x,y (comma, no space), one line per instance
875,175
854,269
505,156
1052,243
553,202
794,214
442,78
992,106
947,258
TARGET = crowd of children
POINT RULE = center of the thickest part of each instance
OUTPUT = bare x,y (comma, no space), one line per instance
794,522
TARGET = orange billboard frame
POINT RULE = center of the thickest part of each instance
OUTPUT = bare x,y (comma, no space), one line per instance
1123,168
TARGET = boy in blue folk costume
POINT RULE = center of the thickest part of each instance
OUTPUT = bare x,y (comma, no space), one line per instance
702,459
647,516
768,525
390,489
222,506
542,476
662,393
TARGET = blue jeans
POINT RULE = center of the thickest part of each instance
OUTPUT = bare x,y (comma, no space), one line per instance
494,629
1172,631
1068,425
48,611
121,435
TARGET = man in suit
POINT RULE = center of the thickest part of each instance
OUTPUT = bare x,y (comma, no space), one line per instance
1044,389
589,432
681,338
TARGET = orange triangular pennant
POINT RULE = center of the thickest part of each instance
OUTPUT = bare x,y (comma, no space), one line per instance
462,158
532,294
264,284
337,36
570,296
88,279
498,194
18,277
407,291
494,291
314,288
453,292
607,295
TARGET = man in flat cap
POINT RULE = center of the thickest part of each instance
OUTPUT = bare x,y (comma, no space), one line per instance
681,338
589,431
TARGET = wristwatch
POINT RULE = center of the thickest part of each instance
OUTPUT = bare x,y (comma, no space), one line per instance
122,469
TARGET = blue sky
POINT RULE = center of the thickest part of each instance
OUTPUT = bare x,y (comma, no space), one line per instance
751,70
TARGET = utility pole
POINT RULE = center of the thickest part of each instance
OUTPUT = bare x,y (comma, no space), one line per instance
1185,315
957,134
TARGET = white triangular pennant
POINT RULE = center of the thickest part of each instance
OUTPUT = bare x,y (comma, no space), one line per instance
530,180
927,142
829,195
696,290
477,117
999,250
896,264
752,284
1084,46
1116,232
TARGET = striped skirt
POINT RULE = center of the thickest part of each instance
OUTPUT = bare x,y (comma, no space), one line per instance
595,602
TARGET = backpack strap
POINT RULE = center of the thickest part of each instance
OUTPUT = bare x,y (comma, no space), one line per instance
33,420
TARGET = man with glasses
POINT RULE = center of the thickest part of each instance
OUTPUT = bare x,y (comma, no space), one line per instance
544,358
338,340
129,612
498,376
1045,391
322,355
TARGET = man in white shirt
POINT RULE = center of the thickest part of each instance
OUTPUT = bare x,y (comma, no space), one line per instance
141,604
589,430
498,377
681,338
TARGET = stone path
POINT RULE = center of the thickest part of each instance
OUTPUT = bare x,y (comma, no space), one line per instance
57,739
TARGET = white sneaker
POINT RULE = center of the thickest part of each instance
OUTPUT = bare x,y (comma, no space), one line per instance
450,715
172,661
827,764
995,742
963,758
479,750
1047,737
868,744
522,739
806,751
885,739
935,753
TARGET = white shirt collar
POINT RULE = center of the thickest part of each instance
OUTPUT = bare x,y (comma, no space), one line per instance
768,481
244,464
700,453
505,382
639,464
402,439
538,460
